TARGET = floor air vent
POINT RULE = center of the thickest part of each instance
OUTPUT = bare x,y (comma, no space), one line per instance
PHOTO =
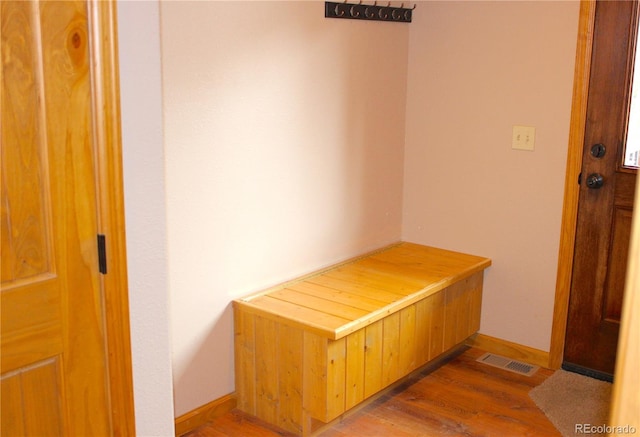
508,364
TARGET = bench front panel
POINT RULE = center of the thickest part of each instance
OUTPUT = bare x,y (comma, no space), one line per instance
287,375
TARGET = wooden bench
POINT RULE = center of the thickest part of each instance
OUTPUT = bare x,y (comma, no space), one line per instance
309,350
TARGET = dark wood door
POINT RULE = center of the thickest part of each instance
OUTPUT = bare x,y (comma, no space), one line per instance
606,197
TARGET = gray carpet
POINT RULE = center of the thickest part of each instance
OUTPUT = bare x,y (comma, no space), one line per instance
569,399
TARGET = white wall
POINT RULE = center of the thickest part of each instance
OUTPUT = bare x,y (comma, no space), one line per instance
284,136
143,161
475,70
284,139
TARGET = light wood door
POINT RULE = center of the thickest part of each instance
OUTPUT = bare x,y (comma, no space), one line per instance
604,212
54,364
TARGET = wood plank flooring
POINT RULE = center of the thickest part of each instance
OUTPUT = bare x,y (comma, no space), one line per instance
461,398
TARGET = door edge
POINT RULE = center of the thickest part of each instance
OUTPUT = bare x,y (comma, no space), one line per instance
571,189
111,218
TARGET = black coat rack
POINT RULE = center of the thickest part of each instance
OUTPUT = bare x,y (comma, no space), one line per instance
374,12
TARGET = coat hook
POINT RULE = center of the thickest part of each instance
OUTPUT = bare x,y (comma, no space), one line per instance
368,13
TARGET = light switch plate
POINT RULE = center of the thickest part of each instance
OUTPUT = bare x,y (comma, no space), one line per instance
524,138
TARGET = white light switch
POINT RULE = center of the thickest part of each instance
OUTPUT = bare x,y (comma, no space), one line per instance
523,137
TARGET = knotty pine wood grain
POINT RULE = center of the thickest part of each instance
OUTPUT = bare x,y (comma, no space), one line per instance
354,389
373,356
461,398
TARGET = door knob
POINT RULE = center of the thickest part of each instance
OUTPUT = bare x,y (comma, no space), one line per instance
595,180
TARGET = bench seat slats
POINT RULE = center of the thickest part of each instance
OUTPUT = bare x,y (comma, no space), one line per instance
371,278
355,288
297,315
355,300
319,304
416,277
438,262
351,295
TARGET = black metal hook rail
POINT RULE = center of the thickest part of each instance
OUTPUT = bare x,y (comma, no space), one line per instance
374,12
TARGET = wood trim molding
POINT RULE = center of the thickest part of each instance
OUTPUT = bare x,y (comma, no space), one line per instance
571,189
111,220
508,349
626,397
201,415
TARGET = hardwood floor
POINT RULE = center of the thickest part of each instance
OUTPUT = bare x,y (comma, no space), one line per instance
461,398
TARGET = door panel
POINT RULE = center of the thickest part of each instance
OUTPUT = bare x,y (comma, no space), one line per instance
33,388
614,289
604,214
31,324
52,334
23,121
